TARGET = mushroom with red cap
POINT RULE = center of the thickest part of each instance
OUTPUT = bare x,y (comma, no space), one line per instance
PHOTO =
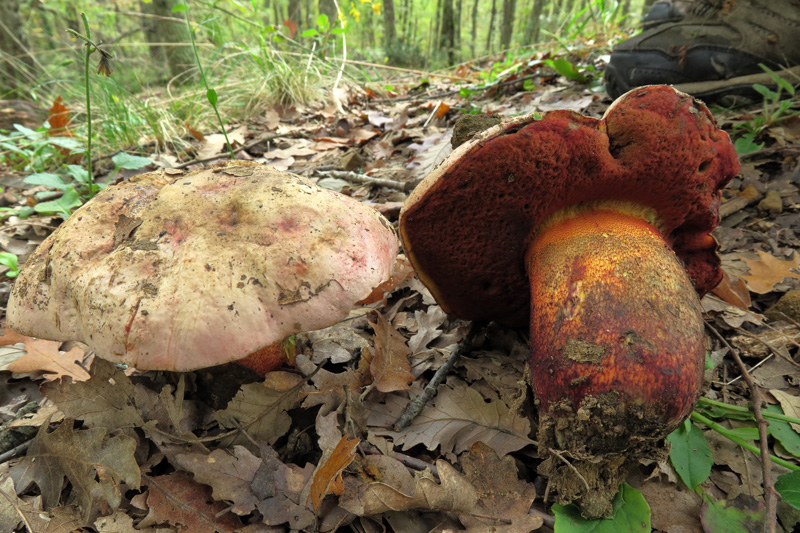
596,234
186,270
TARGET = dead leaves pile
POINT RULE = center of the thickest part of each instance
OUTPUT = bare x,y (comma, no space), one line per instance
311,448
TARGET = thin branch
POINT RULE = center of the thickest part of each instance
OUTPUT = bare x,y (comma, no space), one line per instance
355,177
770,494
415,406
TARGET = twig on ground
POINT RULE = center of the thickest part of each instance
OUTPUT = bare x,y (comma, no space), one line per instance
235,150
355,177
571,467
770,494
415,406
13,452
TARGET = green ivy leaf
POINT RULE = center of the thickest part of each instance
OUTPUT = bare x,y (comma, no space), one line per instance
130,162
631,514
746,144
566,69
690,454
788,485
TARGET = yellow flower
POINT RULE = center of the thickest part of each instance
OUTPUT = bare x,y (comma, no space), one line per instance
376,7
355,12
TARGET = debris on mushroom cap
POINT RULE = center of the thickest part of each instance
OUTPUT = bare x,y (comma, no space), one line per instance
654,147
186,271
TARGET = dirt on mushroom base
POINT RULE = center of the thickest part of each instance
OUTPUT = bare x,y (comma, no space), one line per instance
602,426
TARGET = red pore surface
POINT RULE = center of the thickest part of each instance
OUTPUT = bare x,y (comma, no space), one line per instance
467,225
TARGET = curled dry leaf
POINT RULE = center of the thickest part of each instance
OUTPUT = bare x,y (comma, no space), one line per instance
389,365
328,476
281,489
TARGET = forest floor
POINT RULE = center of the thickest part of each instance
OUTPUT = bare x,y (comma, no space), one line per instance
313,446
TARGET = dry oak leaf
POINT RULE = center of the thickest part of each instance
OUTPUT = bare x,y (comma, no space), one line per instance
178,500
396,489
768,271
261,409
229,474
95,464
106,400
43,356
504,499
14,511
282,492
389,365
458,418
328,475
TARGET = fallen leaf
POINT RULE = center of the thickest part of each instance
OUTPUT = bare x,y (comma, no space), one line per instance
504,499
178,500
328,475
43,356
281,489
428,323
94,463
768,271
733,290
790,404
260,409
229,474
396,489
59,120
106,400
389,365
458,417
13,510
119,522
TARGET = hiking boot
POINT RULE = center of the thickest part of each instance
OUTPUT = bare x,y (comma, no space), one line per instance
714,51
665,11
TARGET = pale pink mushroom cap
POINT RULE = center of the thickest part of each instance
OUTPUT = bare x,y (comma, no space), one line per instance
191,270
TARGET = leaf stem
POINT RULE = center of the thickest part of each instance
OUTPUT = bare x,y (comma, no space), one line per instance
739,409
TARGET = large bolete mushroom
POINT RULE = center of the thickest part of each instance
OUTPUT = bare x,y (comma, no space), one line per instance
596,234
186,270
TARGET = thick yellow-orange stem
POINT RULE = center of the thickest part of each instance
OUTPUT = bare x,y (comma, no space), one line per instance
616,335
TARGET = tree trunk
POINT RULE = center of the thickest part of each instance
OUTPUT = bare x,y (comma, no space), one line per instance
508,23
18,70
295,11
389,31
474,28
448,34
169,28
457,29
533,29
490,33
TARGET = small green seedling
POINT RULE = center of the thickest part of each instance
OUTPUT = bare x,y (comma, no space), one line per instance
10,261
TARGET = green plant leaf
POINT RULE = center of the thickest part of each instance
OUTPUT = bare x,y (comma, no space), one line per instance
78,173
566,69
717,518
788,485
179,8
62,206
690,454
766,92
311,32
211,94
10,261
47,179
130,162
323,21
784,432
631,514
746,144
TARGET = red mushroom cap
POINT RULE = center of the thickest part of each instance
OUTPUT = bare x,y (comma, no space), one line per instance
474,215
